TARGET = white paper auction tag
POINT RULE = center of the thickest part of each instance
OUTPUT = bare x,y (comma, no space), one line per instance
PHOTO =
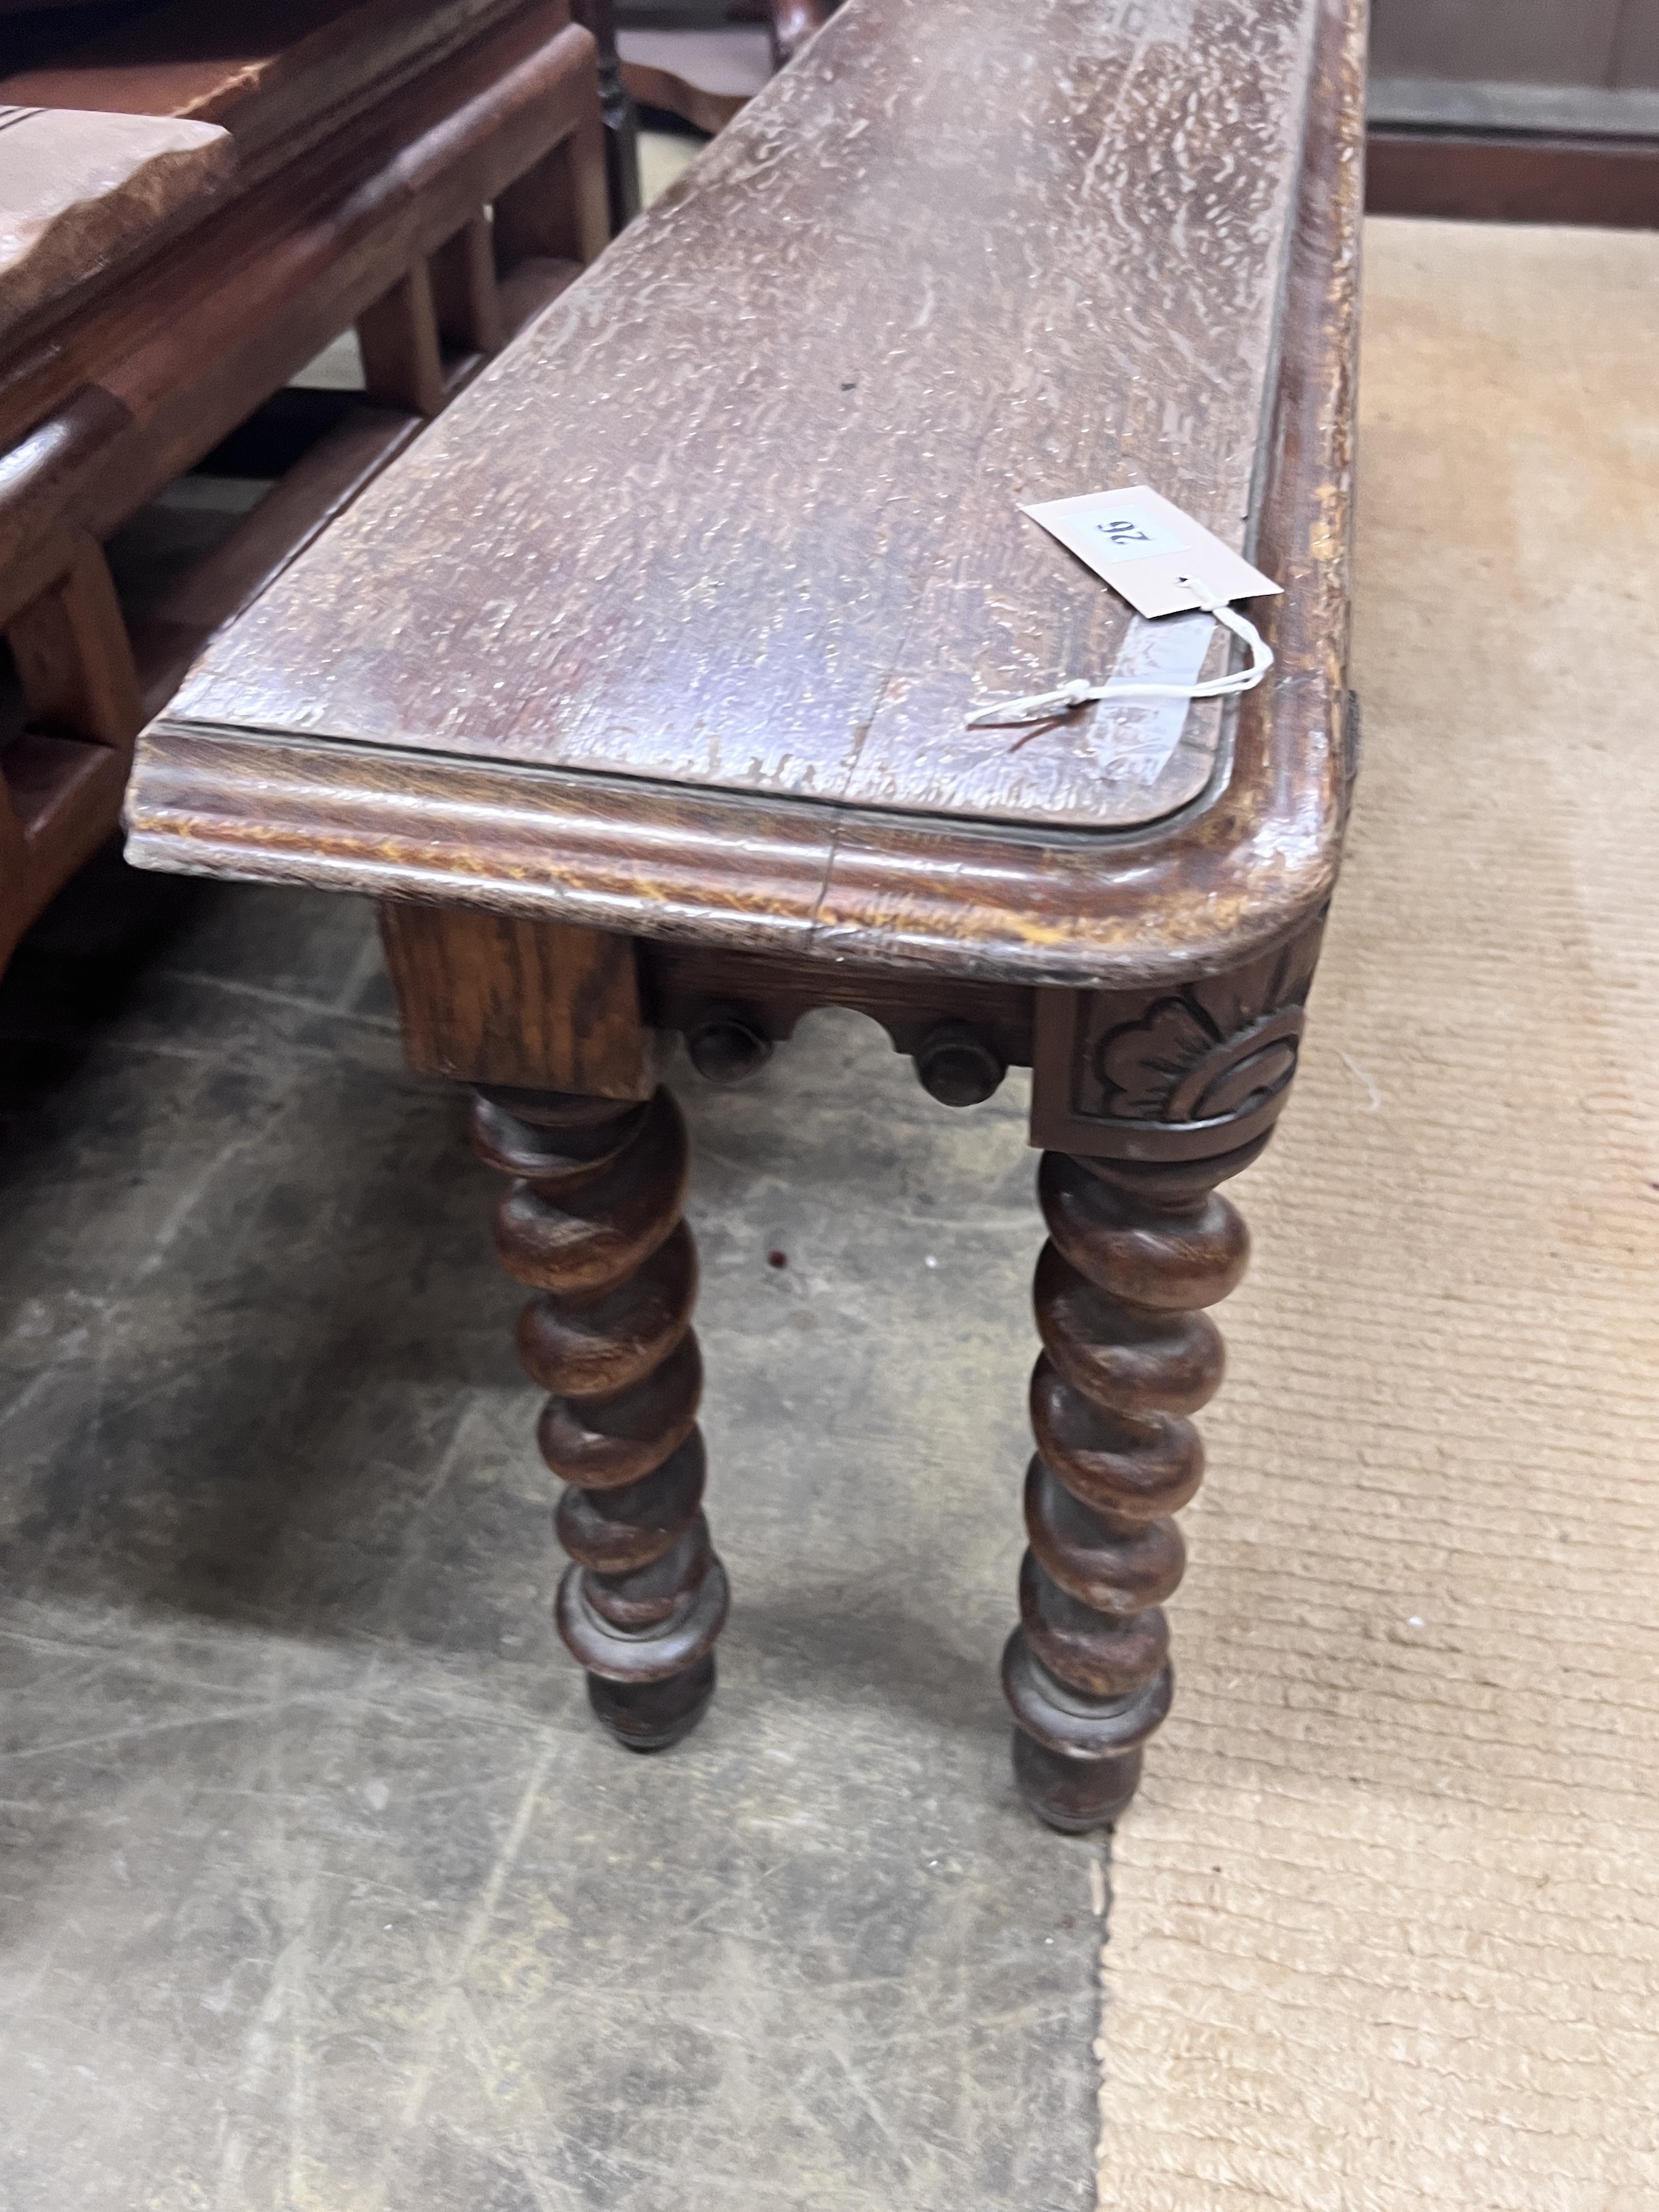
1142,545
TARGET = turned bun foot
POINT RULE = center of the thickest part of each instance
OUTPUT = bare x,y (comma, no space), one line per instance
1076,1796
651,1716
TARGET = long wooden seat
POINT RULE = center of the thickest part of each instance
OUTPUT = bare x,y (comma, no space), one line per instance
641,692
434,177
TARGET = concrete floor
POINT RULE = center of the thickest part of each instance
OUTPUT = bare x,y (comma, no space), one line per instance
321,1887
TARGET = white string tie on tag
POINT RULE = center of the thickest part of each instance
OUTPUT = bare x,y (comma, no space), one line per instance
1066,698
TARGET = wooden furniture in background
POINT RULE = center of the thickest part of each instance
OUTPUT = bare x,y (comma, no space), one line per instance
637,691
704,60
704,78
80,192
1546,113
1595,46
367,165
621,122
1495,176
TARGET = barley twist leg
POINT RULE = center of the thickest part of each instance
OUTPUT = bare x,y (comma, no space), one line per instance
1135,1253
592,1223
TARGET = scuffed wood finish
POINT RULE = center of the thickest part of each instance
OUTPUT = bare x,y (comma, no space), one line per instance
79,193
1244,868
493,998
704,687
827,606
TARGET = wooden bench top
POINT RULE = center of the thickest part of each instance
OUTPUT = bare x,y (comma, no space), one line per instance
722,552
79,193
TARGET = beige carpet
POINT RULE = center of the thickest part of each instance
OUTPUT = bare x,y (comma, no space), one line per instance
1384,1929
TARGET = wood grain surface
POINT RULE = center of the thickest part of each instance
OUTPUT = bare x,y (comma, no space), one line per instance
1244,869
79,193
742,511
493,998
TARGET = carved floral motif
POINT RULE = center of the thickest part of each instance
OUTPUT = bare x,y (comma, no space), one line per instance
1217,1049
